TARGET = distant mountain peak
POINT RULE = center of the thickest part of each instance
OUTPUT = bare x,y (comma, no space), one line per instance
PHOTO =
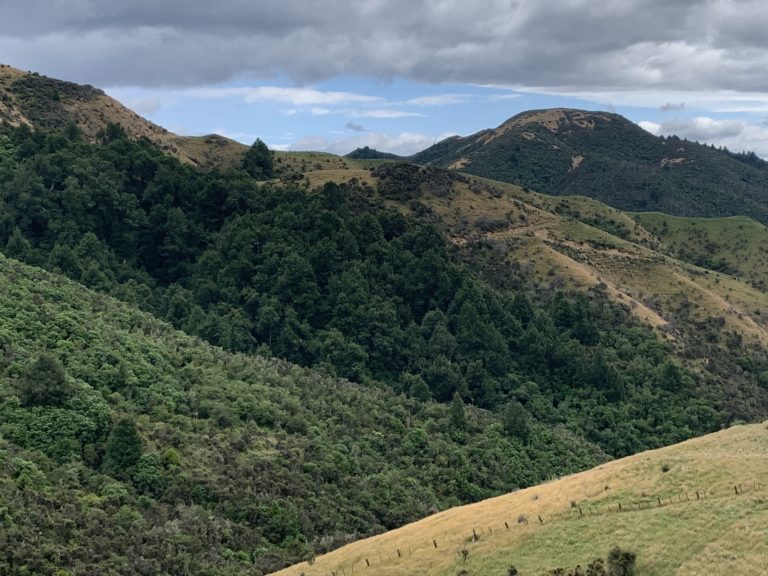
367,153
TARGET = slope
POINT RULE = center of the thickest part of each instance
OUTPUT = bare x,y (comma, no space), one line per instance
36,101
736,246
515,238
692,508
607,157
127,447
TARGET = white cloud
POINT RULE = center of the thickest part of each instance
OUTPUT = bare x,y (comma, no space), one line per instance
404,144
145,106
302,96
652,127
439,100
503,97
736,135
386,113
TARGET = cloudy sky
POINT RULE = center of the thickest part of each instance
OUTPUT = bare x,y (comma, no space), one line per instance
399,75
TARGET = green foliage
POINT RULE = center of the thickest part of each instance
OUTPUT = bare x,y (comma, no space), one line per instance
245,463
258,161
457,415
249,453
621,562
44,383
124,448
366,153
516,421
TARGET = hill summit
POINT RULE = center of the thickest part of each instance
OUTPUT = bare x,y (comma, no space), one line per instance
34,100
605,156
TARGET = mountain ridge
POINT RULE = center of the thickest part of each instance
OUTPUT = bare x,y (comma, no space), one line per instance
36,101
605,156
436,287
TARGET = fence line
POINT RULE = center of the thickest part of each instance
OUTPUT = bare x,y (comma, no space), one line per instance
575,512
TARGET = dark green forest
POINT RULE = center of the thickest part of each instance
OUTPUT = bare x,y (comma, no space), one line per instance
423,386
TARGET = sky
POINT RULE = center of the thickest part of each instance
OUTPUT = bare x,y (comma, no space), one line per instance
400,75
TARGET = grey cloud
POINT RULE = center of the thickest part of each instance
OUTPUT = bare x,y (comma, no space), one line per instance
672,107
354,127
559,45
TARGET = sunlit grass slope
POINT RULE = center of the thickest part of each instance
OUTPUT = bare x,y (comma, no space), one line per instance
693,508
737,245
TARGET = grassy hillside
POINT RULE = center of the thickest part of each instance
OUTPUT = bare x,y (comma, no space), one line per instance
737,246
604,156
707,314
694,508
592,243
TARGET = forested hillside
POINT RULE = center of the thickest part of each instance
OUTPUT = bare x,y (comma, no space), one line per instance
116,426
129,448
334,279
607,157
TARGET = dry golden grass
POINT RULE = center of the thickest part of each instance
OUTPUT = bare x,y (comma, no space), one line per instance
9,111
212,150
548,233
92,115
723,533
304,162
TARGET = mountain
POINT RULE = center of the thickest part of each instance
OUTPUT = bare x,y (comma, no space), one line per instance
367,153
694,508
710,310
27,98
606,157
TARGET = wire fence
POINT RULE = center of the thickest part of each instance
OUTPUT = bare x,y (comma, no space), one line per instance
458,542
